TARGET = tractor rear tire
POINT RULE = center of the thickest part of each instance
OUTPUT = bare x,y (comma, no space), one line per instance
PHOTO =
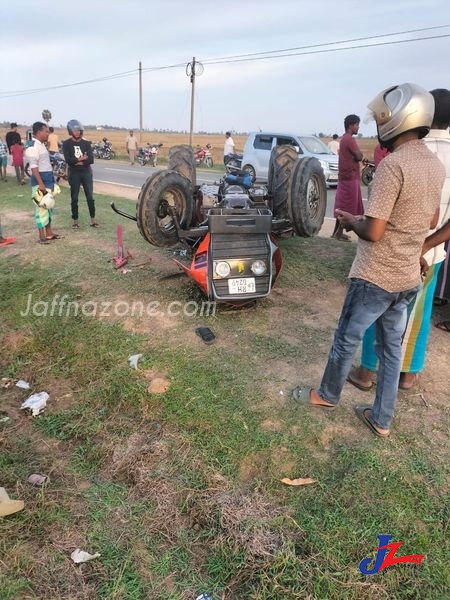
164,191
282,162
181,159
307,197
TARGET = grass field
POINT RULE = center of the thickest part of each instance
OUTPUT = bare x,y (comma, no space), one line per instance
172,471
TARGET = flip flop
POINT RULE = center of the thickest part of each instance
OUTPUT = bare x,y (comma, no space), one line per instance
444,326
55,236
8,240
94,225
206,334
361,414
302,395
44,241
356,383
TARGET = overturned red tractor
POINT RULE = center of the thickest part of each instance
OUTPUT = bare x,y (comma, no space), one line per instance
230,227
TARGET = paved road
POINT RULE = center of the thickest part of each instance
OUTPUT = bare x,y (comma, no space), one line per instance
133,177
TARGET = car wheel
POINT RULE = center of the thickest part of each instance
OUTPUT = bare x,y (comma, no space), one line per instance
307,197
282,162
163,192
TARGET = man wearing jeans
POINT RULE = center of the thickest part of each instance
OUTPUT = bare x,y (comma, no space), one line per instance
385,275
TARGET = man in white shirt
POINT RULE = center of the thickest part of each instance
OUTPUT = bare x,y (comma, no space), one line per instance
333,144
228,147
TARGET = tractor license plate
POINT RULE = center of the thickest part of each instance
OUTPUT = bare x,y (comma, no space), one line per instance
333,177
245,285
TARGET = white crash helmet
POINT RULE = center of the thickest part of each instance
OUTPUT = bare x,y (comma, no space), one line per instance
401,108
45,200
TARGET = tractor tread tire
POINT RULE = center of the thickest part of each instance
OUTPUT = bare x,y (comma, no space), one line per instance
154,223
282,162
307,197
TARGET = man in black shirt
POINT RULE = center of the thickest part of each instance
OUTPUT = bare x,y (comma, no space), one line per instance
79,158
12,137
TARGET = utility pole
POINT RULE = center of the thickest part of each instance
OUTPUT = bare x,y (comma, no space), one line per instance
192,69
140,103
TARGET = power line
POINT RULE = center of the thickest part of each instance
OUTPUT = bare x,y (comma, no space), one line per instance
267,55
236,60
367,38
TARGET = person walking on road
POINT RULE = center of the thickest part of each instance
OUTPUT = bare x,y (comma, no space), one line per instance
132,147
79,158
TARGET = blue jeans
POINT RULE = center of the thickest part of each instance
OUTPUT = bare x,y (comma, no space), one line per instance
366,303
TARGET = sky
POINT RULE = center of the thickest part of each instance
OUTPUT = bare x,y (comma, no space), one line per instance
52,45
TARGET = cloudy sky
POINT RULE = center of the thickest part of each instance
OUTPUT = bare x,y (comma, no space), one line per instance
299,79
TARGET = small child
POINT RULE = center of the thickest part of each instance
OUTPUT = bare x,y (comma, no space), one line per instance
3,159
17,151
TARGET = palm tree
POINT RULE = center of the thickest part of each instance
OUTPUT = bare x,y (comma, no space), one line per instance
46,115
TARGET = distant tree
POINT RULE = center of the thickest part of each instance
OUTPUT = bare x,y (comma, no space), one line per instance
46,115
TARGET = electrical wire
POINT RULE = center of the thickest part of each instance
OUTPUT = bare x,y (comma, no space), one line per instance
267,55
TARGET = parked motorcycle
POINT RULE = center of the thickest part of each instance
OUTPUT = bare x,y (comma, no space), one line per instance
203,156
148,155
58,163
368,172
103,150
233,163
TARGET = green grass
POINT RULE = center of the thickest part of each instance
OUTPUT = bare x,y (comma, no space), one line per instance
200,507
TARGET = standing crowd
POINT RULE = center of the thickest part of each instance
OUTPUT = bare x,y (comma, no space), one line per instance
400,251
402,260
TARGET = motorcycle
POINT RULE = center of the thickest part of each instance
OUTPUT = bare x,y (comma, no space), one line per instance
59,166
103,150
148,155
204,156
368,172
233,163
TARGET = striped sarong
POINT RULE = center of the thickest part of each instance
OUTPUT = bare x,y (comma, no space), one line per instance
415,339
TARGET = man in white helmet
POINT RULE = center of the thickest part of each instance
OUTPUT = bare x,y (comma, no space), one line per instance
385,276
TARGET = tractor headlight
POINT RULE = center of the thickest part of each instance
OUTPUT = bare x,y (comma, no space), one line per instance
222,269
258,267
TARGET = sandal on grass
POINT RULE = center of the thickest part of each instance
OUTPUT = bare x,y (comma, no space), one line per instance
55,236
43,241
363,413
302,395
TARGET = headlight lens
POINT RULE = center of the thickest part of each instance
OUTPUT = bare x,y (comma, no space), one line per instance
222,269
258,267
